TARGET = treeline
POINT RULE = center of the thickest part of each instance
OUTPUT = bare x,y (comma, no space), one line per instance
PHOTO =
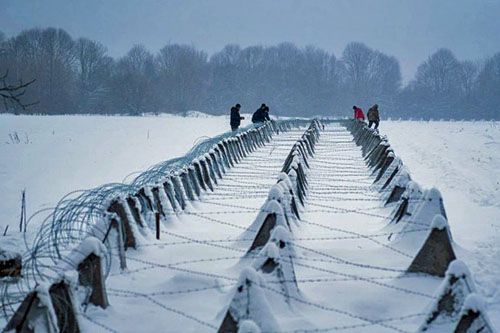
78,76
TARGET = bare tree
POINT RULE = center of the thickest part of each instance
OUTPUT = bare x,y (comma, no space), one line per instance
467,74
133,82
438,73
184,70
489,87
47,55
12,93
356,59
93,69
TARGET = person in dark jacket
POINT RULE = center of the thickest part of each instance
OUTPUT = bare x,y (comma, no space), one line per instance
236,118
373,116
259,116
266,114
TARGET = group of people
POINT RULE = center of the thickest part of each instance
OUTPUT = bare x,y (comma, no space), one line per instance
262,115
372,115
259,116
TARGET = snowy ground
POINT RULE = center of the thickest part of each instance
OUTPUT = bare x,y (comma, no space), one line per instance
461,159
62,154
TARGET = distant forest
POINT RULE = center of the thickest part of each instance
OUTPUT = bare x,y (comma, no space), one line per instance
78,76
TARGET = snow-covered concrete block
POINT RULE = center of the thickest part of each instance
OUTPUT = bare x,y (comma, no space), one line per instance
10,264
275,262
436,253
199,174
376,154
146,200
65,308
408,203
87,259
120,208
219,157
179,193
249,302
431,204
248,326
193,178
115,237
241,146
395,184
389,165
387,154
211,169
223,152
234,152
48,309
164,203
288,197
136,209
473,317
270,216
445,311
187,186
216,163
205,170
35,314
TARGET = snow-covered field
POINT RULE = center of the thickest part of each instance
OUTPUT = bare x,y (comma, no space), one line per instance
56,155
461,159
59,154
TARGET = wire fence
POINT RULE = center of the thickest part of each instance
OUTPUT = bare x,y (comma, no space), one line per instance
334,181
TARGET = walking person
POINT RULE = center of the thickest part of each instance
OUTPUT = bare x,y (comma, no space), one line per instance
358,113
373,117
236,118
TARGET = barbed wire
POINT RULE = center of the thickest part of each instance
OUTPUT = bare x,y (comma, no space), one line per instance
323,182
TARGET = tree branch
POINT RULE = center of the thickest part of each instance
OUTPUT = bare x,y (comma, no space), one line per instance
11,94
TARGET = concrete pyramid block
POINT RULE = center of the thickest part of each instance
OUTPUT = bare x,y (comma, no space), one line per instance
436,253
249,302
445,311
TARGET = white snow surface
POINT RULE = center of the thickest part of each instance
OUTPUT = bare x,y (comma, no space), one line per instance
473,302
185,281
462,160
458,268
439,222
89,245
61,154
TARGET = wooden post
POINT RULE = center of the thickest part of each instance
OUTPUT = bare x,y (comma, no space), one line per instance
157,219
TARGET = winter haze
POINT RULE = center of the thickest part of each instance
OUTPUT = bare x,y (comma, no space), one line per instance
249,166
409,30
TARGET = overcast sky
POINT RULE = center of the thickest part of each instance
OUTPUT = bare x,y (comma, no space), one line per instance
409,30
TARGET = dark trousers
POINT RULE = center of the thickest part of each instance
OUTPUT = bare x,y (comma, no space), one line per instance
373,122
234,127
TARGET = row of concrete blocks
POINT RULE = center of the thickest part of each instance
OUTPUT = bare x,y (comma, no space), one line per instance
271,249
457,307
129,216
55,307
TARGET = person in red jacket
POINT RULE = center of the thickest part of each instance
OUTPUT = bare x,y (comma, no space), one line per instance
358,113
